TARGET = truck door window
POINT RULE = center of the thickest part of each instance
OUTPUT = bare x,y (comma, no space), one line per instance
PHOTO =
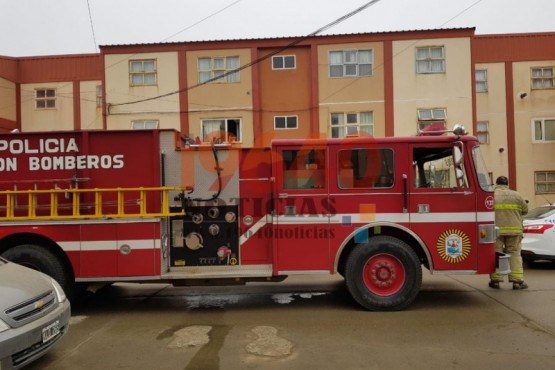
437,168
304,169
365,168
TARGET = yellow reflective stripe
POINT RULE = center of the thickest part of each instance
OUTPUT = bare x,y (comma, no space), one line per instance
516,207
511,229
516,275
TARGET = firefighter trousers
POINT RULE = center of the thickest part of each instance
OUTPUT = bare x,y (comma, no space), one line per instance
510,244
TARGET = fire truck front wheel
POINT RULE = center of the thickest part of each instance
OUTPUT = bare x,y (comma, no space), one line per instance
39,258
383,274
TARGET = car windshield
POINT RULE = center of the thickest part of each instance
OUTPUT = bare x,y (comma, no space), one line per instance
540,212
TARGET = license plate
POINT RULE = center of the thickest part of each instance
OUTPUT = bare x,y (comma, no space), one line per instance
50,331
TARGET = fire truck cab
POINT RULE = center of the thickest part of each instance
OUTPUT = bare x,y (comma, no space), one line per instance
148,206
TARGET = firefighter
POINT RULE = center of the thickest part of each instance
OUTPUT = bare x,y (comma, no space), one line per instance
509,209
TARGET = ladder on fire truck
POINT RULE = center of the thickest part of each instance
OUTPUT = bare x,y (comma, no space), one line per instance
19,205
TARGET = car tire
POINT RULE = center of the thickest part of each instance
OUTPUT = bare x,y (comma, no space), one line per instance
41,259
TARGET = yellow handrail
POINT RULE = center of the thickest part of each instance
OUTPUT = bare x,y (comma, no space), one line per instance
129,203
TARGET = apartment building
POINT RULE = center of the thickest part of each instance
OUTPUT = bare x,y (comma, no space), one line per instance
515,109
248,92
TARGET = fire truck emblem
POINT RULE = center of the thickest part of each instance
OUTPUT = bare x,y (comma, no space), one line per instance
453,246
489,202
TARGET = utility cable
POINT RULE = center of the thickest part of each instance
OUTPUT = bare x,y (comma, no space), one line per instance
92,27
182,30
202,20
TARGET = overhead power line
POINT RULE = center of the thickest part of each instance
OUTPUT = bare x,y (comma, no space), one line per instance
202,20
92,27
258,60
184,29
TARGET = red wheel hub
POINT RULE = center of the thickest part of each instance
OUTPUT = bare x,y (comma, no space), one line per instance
384,274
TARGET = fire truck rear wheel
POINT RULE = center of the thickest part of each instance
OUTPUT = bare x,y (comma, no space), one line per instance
41,259
384,274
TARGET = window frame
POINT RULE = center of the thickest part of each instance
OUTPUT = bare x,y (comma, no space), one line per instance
225,139
429,60
148,124
542,79
220,70
542,122
424,122
349,63
286,122
355,171
283,61
99,96
346,124
303,169
143,72
48,100
482,132
481,81
547,182
434,167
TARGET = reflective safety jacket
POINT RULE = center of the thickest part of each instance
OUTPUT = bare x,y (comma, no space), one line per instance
509,209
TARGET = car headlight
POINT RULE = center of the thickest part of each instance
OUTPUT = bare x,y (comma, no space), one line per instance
59,291
3,326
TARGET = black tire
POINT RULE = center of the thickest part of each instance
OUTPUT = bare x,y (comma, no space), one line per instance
384,274
41,259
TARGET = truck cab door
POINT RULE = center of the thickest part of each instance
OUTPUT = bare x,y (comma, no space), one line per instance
301,209
442,205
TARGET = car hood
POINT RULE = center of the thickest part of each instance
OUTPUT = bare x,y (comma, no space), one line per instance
533,222
19,284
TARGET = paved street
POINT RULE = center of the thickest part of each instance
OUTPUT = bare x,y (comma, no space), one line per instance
457,322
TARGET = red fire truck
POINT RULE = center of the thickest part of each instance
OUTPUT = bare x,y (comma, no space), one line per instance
149,206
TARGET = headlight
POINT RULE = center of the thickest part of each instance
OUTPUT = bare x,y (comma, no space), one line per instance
59,291
3,326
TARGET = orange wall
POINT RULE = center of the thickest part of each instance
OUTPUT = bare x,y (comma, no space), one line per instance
286,92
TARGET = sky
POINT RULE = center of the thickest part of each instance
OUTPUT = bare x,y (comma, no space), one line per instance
58,27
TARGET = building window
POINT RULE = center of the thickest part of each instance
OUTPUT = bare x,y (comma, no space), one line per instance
142,72
482,132
430,59
142,124
351,63
352,124
285,122
99,96
283,62
543,130
218,69
542,78
45,98
219,131
481,80
432,118
545,182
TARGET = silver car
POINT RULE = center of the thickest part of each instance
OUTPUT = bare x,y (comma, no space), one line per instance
34,314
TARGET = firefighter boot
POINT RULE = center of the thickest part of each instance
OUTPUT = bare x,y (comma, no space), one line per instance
494,284
519,285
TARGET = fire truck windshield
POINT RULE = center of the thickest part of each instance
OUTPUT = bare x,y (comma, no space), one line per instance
481,170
